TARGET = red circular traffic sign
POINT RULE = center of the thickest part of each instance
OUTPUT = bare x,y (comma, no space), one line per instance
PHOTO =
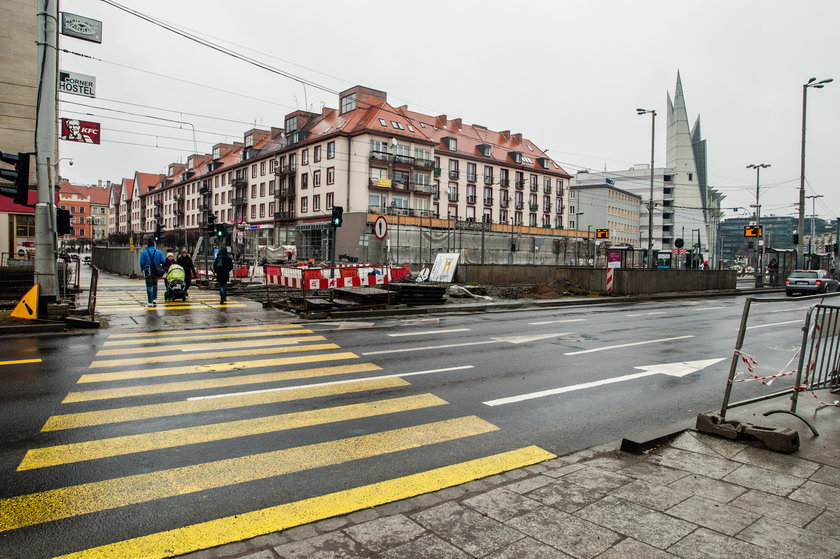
380,227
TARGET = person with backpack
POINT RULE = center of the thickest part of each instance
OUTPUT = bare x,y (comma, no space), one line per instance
151,261
222,266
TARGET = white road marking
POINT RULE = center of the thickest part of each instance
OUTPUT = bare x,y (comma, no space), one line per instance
644,314
556,321
428,332
707,308
797,309
671,369
774,324
627,345
427,348
398,375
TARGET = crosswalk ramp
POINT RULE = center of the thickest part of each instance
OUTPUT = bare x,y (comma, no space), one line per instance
180,440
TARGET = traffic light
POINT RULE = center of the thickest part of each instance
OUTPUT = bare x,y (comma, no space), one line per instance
211,221
19,177
336,216
158,232
62,219
220,230
796,238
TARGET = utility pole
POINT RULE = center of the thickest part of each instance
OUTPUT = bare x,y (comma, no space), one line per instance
759,275
652,114
45,147
813,226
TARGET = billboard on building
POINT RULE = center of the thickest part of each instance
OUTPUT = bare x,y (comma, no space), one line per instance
77,84
83,131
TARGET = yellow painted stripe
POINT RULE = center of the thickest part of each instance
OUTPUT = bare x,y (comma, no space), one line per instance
178,349
227,382
118,446
213,367
248,525
133,413
20,361
204,330
204,336
47,506
211,355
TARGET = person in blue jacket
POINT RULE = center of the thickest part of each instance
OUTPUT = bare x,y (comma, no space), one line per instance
151,260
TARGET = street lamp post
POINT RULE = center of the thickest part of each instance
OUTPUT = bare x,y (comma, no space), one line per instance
588,241
652,114
759,275
813,222
577,227
801,224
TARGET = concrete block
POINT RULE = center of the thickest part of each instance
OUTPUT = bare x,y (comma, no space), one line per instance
712,423
780,439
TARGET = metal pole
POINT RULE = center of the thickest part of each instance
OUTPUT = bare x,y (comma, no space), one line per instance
650,202
45,145
482,239
800,227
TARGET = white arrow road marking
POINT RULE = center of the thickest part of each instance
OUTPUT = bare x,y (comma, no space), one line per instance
626,345
644,314
680,369
426,333
511,340
556,321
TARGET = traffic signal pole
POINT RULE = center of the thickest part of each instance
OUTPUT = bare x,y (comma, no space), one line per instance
45,146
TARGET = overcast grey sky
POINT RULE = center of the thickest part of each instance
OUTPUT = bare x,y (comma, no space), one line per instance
567,74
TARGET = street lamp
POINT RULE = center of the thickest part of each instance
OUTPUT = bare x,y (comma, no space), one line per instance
759,276
652,114
801,224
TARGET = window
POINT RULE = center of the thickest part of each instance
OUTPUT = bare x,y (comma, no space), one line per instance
382,122
316,203
379,146
262,168
316,154
304,181
262,210
316,179
304,205
253,171
253,212
291,124
453,191
253,191
262,189
217,152
271,188
304,157
451,144
330,175
330,200
348,103
690,177
453,169
397,125
330,150
471,172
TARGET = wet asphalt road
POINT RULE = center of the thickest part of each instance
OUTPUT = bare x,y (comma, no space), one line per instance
446,377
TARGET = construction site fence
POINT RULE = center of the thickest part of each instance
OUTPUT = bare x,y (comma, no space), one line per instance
817,359
350,275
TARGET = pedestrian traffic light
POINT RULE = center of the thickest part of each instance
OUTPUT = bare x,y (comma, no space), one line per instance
220,230
62,221
211,221
796,238
158,232
19,177
336,216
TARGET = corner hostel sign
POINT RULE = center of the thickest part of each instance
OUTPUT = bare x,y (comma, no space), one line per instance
77,84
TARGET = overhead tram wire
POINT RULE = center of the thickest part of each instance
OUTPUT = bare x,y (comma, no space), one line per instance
221,49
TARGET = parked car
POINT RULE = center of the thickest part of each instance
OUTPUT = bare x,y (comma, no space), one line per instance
810,282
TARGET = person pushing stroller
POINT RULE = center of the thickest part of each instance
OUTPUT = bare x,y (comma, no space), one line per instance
176,285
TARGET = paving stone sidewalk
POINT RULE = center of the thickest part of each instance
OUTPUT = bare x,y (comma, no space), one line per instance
697,496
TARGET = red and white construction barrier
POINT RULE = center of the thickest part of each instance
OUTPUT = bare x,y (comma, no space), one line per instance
610,279
319,278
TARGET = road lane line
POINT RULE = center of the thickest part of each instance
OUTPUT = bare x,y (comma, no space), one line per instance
212,345
644,314
427,348
627,345
211,355
775,324
257,334
132,444
20,361
429,332
204,331
707,308
213,367
555,391
47,506
335,382
556,321
206,384
187,407
247,525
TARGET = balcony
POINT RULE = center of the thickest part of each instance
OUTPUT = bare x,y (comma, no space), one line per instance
454,175
438,171
179,212
470,198
285,192
547,208
426,164
239,201
547,189
519,205
504,183
535,187
403,160
204,207
385,184
452,197
560,209
488,201
560,191
534,207
286,170
158,203
400,185
488,181
284,216
238,182
504,203
519,185
381,156
204,190
421,187
472,177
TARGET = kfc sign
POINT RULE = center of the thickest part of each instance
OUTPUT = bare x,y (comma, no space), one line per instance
79,131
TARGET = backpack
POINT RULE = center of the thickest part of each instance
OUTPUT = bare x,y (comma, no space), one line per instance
152,270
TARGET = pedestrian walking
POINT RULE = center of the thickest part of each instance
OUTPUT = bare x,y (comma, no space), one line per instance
222,267
186,262
151,262
170,260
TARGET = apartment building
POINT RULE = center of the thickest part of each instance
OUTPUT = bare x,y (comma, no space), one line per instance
603,206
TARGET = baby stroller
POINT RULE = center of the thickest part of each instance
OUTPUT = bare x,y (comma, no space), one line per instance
176,287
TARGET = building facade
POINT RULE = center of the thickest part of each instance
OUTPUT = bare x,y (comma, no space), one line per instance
604,206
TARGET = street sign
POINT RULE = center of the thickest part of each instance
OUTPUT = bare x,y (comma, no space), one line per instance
753,231
380,227
27,308
602,233
81,27
77,84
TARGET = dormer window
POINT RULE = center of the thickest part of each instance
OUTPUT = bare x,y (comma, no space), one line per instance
249,140
291,124
217,152
484,149
348,103
450,143
516,156
543,162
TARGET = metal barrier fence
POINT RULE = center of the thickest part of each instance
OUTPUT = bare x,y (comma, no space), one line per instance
94,286
818,357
